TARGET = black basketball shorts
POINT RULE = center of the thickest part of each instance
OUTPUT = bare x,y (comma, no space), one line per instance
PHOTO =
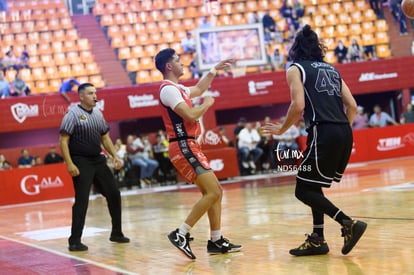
329,147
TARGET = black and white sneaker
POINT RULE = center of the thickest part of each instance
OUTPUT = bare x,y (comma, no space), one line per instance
182,243
222,246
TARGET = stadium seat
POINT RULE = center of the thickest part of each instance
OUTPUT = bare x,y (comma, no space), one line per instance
72,57
38,73
368,39
331,19
59,35
25,74
355,29
382,38
117,42
143,76
86,56
156,75
124,53
344,18
44,48
92,68
146,63
83,44
369,15
59,58
381,25
47,60
97,81
41,26
54,84
51,72
57,46
113,30
137,51
383,51
64,71
41,86
132,65
71,34
78,70
33,37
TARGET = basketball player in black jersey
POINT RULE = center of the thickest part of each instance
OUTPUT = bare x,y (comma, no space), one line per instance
319,94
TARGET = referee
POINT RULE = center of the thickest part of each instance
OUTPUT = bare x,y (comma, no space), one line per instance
82,132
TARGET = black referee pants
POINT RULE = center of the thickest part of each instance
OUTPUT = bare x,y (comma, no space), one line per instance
94,170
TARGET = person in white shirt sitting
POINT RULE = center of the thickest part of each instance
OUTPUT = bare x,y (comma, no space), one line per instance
249,153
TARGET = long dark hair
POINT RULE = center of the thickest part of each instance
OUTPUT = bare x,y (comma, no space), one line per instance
307,46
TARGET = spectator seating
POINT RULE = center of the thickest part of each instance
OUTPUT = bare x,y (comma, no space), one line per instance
139,29
55,48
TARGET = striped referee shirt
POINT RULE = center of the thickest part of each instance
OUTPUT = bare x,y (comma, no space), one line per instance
85,129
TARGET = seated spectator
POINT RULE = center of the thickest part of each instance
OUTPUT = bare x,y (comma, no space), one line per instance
355,53
380,119
188,43
408,115
298,8
361,119
286,10
249,152
269,26
253,18
204,23
4,164
137,149
369,52
195,73
9,60
240,126
277,60
24,58
67,86
52,156
4,86
37,161
302,128
25,160
19,87
412,48
265,144
341,52
166,168
120,149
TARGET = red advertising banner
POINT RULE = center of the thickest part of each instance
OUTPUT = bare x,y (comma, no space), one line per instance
142,101
46,182
388,142
379,143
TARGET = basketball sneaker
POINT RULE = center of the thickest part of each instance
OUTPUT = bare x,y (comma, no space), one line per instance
352,231
313,245
221,246
182,243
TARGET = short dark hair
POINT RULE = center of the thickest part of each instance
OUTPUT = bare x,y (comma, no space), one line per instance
83,86
162,58
307,46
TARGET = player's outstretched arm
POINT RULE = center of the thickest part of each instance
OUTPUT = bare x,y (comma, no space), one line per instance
205,82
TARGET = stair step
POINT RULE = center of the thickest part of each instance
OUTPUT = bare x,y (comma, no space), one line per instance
111,68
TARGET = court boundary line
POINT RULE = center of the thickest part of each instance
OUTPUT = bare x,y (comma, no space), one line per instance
101,265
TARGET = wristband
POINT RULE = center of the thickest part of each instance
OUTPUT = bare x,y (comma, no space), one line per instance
213,71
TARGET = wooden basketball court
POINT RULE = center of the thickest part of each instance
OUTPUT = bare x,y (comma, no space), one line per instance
259,212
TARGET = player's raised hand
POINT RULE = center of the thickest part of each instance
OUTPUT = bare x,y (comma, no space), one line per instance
225,64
